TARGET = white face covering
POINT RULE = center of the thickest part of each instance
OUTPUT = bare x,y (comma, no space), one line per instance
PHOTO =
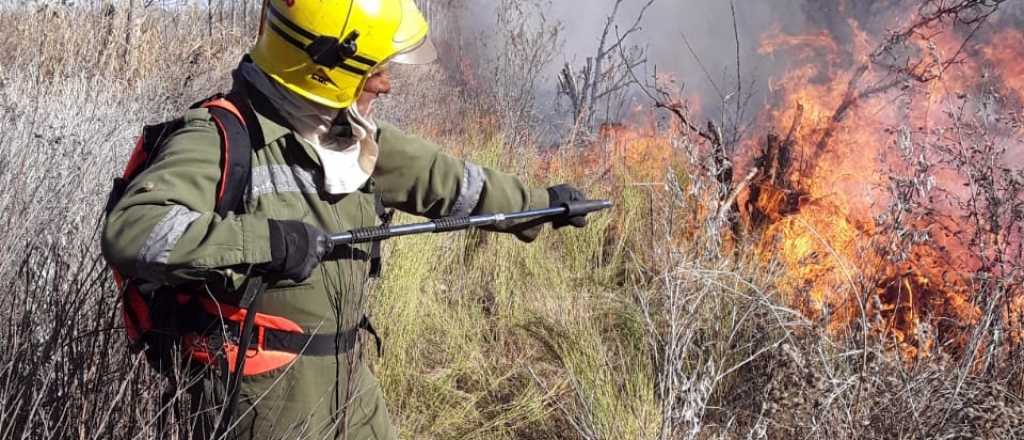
347,161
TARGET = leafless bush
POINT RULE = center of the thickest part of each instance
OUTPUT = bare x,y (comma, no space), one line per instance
527,44
71,101
599,85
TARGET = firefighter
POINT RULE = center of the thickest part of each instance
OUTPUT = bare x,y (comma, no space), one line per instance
323,165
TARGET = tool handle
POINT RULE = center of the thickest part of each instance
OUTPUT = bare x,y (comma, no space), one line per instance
366,235
586,206
448,224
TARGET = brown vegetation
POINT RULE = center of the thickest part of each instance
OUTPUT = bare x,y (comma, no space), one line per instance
678,315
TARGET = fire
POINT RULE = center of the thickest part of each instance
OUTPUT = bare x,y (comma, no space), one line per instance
824,149
1005,55
817,204
809,46
813,246
641,150
636,151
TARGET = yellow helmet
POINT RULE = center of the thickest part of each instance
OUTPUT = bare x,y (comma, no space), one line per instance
325,50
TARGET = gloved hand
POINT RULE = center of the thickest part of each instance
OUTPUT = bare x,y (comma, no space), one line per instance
296,248
559,195
562,195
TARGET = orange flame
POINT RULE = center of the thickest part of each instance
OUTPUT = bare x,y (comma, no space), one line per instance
818,219
839,142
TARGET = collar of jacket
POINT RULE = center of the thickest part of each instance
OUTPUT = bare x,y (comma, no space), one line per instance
272,124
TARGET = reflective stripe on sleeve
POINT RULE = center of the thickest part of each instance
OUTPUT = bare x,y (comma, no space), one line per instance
163,238
281,179
473,179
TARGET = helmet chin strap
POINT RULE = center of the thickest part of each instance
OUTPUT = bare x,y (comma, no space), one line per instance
341,127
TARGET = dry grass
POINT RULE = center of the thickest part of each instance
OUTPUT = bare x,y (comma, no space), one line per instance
644,325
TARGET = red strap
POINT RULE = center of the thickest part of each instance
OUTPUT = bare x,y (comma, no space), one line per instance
137,159
118,278
224,104
235,314
257,361
225,140
135,313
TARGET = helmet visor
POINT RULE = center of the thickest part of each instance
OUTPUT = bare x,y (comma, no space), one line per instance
422,53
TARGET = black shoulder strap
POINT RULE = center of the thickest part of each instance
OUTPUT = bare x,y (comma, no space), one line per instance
242,100
236,161
237,145
385,217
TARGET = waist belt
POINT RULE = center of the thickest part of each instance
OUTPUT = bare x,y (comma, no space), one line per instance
310,345
271,348
322,344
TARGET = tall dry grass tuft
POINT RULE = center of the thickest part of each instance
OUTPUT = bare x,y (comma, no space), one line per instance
72,99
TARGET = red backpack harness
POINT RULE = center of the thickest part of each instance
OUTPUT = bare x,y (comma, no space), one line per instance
165,322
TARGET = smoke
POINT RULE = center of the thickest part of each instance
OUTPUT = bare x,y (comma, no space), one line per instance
708,71
707,25
694,41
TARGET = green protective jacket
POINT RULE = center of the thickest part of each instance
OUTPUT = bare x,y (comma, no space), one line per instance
165,230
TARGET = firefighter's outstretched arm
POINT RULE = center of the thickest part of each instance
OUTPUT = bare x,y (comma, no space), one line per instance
165,230
414,176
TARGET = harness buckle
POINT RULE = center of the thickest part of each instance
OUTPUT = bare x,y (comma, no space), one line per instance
261,333
255,344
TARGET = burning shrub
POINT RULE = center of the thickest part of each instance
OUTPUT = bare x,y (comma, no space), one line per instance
923,271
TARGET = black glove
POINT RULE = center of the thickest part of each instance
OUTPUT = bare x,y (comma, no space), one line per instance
562,195
296,248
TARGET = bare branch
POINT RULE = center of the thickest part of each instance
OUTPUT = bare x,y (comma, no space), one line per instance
739,70
600,82
703,68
